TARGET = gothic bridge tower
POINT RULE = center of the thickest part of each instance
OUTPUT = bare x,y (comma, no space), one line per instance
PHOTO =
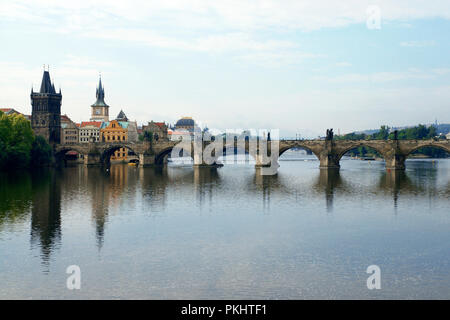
46,111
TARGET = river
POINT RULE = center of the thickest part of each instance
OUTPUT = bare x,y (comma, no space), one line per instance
187,233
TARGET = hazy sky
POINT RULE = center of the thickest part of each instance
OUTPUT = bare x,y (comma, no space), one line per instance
300,66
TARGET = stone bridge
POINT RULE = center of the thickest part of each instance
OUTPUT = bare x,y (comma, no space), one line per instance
206,153
394,152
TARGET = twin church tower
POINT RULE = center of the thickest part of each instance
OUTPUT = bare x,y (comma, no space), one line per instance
46,109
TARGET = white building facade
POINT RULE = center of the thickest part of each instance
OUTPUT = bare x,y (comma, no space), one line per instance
90,131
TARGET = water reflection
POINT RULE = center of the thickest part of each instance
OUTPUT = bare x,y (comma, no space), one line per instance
206,182
424,176
109,189
46,212
328,181
395,180
154,183
15,198
266,185
99,186
42,197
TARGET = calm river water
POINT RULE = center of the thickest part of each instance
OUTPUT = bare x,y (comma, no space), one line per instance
227,233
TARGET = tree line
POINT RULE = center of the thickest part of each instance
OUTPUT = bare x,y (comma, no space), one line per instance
19,147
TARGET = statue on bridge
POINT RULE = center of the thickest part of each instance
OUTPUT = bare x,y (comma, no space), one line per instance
395,134
330,134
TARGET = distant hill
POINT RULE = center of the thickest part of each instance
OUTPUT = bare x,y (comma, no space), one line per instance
443,128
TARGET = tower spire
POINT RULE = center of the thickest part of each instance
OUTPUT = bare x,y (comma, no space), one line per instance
100,92
100,108
46,84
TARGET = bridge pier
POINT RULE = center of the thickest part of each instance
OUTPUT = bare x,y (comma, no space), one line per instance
262,160
396,162
204,164
266,165
329,161
200,162
328,157
146,160
92,159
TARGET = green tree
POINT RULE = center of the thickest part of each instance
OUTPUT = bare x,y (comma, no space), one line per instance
383,134
19,148
16,139
146,136
352,136
419,132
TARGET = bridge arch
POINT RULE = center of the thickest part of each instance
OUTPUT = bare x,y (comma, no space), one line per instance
65,149
159,158
61,152
299,146
105,157
358,144
445,148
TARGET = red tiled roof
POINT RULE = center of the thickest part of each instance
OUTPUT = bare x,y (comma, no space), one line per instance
9,110
65,118
91,123
160,124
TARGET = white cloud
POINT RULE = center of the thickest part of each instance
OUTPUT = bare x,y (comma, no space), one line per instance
429,43
441,71
347,109
213,26
387,76
241,45
213,43
250,32
343,64
231,14
277,59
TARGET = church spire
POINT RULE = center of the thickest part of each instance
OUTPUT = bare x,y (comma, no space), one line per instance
100,95
100,110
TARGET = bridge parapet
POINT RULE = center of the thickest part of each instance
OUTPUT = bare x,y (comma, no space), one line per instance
329,152
394,152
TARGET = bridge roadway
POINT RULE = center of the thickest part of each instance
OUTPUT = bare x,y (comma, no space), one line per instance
329,152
